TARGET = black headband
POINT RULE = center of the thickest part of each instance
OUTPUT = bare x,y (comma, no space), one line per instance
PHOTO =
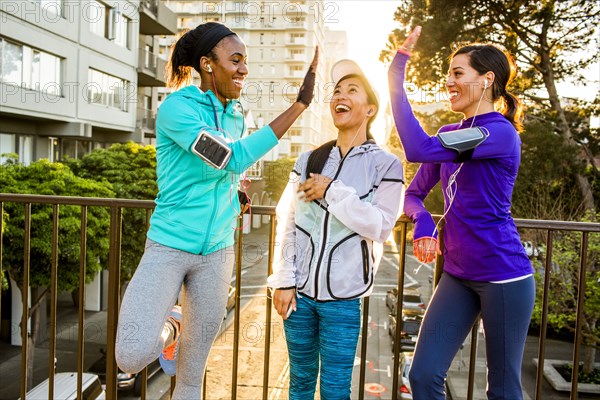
207,41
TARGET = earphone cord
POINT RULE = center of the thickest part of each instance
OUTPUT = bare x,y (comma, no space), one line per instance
451,190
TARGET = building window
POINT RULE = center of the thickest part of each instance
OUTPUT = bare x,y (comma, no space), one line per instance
74,148
121,25
22,145
7,146
53,149
273,38
106,90
272,54
295,132
295,150
262,38
30,68
109,23
50,6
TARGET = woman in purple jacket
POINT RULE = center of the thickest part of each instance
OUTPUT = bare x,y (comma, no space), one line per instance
486,269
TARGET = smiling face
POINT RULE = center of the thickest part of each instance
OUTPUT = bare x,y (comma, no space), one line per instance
465,85
349,105
230,67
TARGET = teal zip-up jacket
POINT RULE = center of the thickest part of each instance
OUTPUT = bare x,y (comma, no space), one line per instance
197,205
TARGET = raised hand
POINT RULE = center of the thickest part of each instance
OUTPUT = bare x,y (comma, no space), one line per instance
411,40
306,92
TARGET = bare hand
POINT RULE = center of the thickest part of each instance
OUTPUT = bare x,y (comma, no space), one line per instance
283,299
425,249
411,40
314,187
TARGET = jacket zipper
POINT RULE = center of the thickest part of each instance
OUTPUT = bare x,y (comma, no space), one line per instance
324,239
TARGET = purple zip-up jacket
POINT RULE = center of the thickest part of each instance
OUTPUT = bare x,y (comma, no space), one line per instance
481,241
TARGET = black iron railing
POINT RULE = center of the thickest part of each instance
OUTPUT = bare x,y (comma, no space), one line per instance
116,207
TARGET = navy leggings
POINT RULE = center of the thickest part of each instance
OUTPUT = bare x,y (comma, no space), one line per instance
329,331
505,310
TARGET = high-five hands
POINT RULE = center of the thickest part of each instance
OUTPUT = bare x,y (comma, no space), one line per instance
314,187
306,92
411,40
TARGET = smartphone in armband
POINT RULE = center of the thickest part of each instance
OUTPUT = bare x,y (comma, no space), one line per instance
212,149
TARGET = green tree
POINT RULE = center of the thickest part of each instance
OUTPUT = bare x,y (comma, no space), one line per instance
45,178
277,175
130,169
550,40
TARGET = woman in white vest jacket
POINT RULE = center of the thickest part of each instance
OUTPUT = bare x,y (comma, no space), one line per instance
340,205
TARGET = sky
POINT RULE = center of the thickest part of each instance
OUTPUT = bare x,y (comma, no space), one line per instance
368,24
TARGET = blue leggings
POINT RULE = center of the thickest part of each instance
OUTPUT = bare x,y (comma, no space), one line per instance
505,310
328,330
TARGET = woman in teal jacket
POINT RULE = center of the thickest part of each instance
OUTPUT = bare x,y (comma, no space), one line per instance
189,245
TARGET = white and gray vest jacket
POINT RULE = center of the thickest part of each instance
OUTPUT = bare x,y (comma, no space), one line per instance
330,249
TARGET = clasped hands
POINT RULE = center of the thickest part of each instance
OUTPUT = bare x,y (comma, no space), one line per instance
426,248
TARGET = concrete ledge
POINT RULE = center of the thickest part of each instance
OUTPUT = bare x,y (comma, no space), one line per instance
559,383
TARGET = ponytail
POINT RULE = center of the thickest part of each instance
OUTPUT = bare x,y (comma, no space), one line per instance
179,69
512,109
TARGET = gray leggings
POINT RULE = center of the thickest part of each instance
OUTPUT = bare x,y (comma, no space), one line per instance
151,294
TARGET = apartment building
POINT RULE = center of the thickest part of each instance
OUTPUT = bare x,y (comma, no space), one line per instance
281,37
78,74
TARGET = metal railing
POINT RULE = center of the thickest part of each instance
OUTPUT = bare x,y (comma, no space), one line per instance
116,207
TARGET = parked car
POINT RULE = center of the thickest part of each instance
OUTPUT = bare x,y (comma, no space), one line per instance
404,391
125,381
412,302
409,333
65,387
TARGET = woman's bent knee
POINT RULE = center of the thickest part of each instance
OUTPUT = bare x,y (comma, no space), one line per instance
133,358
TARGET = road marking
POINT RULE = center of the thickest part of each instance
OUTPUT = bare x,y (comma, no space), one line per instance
387,370
412,281
283,377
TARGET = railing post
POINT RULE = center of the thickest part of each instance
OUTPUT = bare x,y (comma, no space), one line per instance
580,299
25,301
53,300
81,313
399,299
236,320
542,346
114,262
268,312
363,347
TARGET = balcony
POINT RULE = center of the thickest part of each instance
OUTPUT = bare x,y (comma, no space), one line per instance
295,41
296,57
145,119
156,18
239,377
151,69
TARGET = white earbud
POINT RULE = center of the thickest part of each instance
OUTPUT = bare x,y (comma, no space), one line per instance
209,69
485,84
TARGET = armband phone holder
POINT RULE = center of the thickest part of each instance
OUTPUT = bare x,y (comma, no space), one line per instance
212,149
464,141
